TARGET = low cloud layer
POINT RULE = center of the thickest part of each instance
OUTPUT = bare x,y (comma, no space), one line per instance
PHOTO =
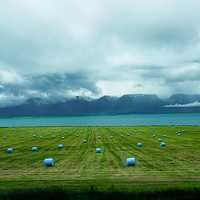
188,105
61,48
16,89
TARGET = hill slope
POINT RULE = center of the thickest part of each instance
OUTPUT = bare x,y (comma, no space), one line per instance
137,103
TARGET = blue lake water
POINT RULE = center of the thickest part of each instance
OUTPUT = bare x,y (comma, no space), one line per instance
115,120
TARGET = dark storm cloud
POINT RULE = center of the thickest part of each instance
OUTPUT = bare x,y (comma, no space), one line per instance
47,87
54,82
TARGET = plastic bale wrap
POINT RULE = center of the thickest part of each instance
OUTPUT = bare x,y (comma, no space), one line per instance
99,150
139,144
34,149
131,161
178,134
162,144
10,150
49,162
61,146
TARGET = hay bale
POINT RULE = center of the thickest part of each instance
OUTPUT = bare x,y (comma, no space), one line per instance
98,150
178,134
84,141
131,161
61,146
139,144
160,139
162,144
49,162
9,150
34,149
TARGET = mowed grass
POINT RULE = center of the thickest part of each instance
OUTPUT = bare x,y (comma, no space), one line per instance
78,166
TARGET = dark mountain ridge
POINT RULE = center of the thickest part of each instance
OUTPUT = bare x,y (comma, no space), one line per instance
126,104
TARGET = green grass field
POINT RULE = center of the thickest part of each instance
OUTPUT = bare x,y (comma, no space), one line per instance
79,168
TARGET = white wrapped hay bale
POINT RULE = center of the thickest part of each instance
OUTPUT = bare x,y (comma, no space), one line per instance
139,144
131,161
34,149
178,133
49,162
99,150
162,144
9,150
61,146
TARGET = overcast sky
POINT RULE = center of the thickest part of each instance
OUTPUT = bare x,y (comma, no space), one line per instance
59,48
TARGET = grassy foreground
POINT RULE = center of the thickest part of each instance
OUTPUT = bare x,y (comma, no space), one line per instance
167,173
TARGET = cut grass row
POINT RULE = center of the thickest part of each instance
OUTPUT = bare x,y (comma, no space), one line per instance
78,166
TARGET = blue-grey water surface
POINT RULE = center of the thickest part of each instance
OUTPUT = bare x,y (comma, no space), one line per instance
106,120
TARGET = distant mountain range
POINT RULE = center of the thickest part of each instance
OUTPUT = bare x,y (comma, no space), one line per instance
126,104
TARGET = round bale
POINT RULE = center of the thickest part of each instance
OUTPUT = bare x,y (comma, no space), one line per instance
10,150
49,162
139,144
162,144
34,149
131,161
61,146
98,150
178,134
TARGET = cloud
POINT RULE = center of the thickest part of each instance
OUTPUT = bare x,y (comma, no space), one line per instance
100,45
16,89
194,104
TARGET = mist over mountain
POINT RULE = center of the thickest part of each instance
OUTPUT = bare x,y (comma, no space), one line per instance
126,104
